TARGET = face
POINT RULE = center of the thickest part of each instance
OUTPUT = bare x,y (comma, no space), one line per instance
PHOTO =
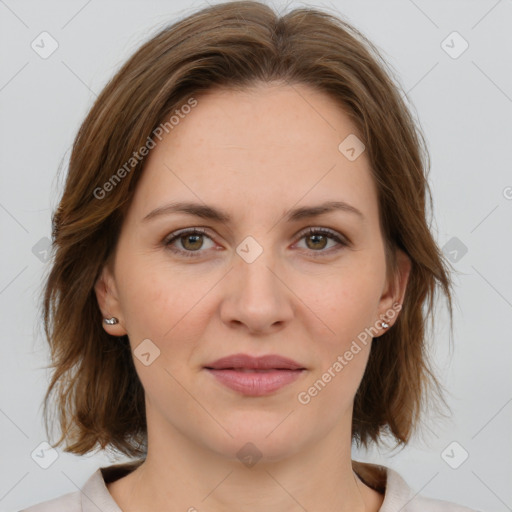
257,283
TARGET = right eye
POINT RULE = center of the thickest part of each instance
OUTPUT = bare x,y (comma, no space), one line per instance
191,241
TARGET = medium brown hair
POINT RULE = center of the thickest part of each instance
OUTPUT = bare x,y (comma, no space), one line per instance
234,45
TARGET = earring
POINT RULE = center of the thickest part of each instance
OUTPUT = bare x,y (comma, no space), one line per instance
385,325
111,321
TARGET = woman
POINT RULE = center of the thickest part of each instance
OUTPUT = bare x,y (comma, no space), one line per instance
242,260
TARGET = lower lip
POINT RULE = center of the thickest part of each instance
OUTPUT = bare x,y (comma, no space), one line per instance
256,383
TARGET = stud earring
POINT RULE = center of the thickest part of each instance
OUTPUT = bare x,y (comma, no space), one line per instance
385,325
111,321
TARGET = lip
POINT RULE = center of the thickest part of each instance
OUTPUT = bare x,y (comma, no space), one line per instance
267,362
255,376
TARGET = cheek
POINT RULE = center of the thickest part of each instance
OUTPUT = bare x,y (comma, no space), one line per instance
161,303
145,302
351,303
345,305
144,294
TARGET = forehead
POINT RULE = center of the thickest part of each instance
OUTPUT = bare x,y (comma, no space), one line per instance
269,145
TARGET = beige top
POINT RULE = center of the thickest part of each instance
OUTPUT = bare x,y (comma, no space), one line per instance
94,495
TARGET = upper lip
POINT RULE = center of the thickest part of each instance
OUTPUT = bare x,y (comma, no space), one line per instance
271,361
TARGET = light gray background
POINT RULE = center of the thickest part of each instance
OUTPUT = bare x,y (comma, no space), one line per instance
464,105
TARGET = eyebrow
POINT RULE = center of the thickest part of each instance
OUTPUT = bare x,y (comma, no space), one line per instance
209,212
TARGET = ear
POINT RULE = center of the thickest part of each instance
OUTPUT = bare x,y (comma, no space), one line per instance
393,295
108,301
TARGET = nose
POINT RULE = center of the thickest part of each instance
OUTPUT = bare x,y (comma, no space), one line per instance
256,296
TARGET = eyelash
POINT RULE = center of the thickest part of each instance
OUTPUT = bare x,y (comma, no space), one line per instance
200,231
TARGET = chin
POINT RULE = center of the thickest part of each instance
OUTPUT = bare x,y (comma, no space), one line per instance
265,440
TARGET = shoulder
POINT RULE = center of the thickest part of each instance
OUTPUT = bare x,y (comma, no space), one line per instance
70,502
92,496
399,496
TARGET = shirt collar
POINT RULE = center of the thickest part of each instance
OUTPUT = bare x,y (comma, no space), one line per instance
96,497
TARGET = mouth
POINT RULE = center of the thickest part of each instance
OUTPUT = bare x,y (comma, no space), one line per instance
255,376
252,370
245,361
253,382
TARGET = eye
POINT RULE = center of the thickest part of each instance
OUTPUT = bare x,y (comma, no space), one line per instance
318,238
192,241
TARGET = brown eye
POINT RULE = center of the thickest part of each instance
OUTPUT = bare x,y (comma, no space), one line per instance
317,240
191,242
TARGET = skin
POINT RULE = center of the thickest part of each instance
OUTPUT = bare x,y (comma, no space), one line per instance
253,154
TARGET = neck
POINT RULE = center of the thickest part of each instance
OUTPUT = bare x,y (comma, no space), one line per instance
182,475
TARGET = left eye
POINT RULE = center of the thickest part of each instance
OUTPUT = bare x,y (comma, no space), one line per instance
319,238
192,240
